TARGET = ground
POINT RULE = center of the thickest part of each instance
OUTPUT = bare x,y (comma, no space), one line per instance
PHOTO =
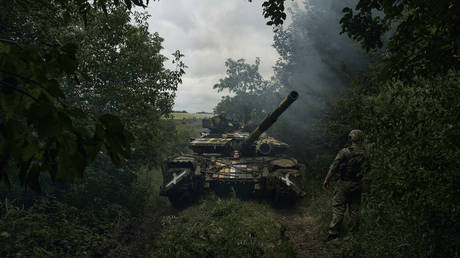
302,231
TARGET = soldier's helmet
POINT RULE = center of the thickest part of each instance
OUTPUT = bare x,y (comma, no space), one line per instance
356,135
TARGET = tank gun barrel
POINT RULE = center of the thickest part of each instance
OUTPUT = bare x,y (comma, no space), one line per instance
270,119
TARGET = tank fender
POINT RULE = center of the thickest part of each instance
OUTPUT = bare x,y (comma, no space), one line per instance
283,163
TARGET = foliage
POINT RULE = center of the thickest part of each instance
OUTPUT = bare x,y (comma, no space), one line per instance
412,197
107,206
423,36
252,94
126,76
274,9
39,131
238,229
49,228
107,202
241,78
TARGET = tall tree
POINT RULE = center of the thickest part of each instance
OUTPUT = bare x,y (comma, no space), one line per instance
251,93
40,129
125,75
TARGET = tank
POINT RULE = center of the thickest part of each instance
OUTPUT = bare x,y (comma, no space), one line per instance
227,159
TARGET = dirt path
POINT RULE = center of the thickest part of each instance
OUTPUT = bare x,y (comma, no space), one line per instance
301,230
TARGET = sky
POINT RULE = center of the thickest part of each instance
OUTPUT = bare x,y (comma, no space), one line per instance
208,32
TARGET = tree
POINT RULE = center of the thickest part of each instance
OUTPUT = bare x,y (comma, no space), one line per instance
422,35
252,94
40,130
126,76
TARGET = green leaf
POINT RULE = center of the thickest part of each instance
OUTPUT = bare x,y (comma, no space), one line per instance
112,123
29,150
54,88
128,4
33,178
77,113
9,101
4,48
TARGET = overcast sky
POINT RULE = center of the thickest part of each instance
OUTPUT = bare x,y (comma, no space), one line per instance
208,32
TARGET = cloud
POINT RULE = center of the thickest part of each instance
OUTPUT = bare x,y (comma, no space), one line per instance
208,32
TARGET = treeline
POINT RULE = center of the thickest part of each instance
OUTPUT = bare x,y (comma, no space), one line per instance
405,98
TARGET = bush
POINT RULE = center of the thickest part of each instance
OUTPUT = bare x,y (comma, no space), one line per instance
223,228
412,204
48,229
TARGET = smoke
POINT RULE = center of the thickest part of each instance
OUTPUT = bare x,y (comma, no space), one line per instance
316,60
319,63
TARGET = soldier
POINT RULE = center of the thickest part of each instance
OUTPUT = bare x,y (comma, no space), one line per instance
351,163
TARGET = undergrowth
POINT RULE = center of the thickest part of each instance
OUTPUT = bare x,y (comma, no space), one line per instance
223,228
95,217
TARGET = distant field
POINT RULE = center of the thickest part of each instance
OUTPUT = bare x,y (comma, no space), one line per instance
190,116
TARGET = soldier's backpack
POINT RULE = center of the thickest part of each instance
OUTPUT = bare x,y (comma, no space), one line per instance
355,165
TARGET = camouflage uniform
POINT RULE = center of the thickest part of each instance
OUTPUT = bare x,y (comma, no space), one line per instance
348,188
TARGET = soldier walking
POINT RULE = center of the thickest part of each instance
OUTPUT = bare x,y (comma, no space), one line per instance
351,163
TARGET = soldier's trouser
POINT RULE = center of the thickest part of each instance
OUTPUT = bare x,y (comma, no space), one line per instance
346,193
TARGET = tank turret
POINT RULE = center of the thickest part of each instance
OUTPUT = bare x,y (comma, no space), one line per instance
269,121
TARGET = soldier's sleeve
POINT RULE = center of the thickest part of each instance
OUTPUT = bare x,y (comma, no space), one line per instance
338,159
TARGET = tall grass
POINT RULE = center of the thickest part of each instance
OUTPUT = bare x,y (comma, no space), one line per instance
223,228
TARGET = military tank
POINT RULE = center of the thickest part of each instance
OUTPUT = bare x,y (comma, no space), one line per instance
228,159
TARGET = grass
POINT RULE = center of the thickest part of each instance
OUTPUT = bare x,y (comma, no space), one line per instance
223,228
180,116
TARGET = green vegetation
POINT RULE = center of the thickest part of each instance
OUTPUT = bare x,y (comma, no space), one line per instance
409,108
411,204
86,206
86,119
223,228
180,116
252,94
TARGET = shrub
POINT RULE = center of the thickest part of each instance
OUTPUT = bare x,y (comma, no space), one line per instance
223,228
412,204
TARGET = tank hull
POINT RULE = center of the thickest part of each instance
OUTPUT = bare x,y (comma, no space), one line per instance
188,177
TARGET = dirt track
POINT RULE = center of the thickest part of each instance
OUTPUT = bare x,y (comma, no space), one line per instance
301,230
